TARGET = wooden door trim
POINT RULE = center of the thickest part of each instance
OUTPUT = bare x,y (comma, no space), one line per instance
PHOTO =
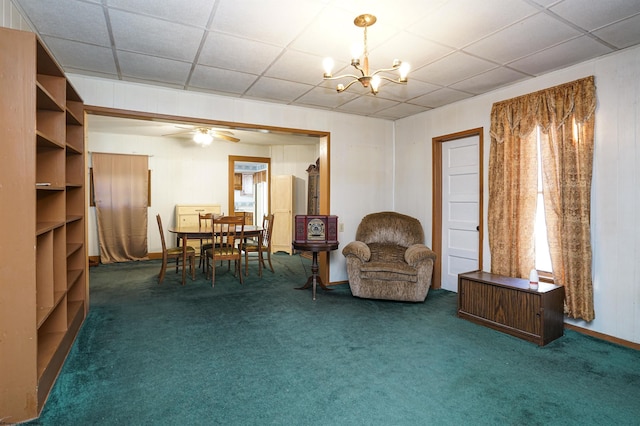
323,140
436,225
231,192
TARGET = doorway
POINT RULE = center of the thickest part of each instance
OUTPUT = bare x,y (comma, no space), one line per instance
250,187
457,206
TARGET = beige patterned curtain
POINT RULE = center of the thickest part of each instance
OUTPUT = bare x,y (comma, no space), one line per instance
121,193
566,117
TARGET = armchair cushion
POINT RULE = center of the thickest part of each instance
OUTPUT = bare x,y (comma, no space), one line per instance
389,260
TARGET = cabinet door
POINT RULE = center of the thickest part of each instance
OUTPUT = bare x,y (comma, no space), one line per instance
282,206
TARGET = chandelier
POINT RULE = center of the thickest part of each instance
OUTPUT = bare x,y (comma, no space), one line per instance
367,79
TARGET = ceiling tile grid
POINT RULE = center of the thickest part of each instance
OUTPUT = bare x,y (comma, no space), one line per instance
273,51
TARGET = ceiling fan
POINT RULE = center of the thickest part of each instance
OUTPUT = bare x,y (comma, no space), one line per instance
205,135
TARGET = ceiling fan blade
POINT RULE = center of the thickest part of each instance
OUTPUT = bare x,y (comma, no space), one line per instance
225,137
179,133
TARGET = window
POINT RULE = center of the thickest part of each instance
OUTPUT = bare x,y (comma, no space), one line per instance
543,257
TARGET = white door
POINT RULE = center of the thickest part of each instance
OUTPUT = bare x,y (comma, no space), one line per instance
460,209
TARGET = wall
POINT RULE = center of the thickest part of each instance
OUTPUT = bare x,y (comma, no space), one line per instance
615,203
10,17
183,173
361,148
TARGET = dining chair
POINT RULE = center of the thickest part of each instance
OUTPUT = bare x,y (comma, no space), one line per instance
174,253
260,245
227,238
204,221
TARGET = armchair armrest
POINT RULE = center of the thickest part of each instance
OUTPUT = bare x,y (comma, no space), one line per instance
357,249
418,253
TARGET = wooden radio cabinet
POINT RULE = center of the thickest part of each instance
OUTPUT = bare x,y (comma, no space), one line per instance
508,305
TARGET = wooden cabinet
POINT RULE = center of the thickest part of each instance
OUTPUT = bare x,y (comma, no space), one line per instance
189,215
44,297
237,181
508,305
313,189
282,207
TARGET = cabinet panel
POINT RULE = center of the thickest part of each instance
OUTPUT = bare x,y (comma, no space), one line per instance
508,305
189,215
282,206
45,292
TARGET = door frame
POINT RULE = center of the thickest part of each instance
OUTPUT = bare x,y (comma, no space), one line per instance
324,143
231,190
436,225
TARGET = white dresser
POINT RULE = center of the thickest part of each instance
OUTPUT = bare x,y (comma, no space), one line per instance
188,215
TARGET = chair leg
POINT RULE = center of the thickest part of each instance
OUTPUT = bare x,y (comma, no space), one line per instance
193,267
269,259
163,270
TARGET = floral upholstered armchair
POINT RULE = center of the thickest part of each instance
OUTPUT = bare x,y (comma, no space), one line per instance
389,260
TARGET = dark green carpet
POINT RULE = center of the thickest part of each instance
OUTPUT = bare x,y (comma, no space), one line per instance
263,353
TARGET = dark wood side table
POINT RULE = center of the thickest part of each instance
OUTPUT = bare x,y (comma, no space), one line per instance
314,248
508,305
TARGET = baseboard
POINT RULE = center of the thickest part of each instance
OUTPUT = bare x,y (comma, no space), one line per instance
603,336
95,260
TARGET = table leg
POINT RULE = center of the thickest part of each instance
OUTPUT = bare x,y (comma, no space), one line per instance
184,259
314,278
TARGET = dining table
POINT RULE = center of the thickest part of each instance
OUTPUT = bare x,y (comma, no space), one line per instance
196,232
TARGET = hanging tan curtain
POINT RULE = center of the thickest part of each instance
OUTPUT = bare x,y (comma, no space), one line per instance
566,117
121,192
513,189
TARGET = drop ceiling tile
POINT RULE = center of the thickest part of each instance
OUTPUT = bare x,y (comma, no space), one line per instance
82,56
440,97
523,39
332,34
154,37
589,14
152,68
367,104
275,21
392,13
225,51
400,111
196,14
219,80
460,22
451,69
621,34
571,52
69,19
403,92
408,48
325,97
489,80
297,66
280,90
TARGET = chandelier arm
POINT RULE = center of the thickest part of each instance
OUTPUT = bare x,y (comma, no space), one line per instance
397,81
349,85
385,70
342,76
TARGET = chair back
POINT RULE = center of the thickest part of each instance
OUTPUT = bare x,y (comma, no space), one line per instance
390,228
204,220
227,232
267,230
161,229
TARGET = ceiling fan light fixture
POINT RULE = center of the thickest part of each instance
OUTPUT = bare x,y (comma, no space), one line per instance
370,80
203,137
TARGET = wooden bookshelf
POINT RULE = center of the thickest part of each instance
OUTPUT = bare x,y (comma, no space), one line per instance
44,298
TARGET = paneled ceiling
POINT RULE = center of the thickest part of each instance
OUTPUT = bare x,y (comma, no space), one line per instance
272,50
